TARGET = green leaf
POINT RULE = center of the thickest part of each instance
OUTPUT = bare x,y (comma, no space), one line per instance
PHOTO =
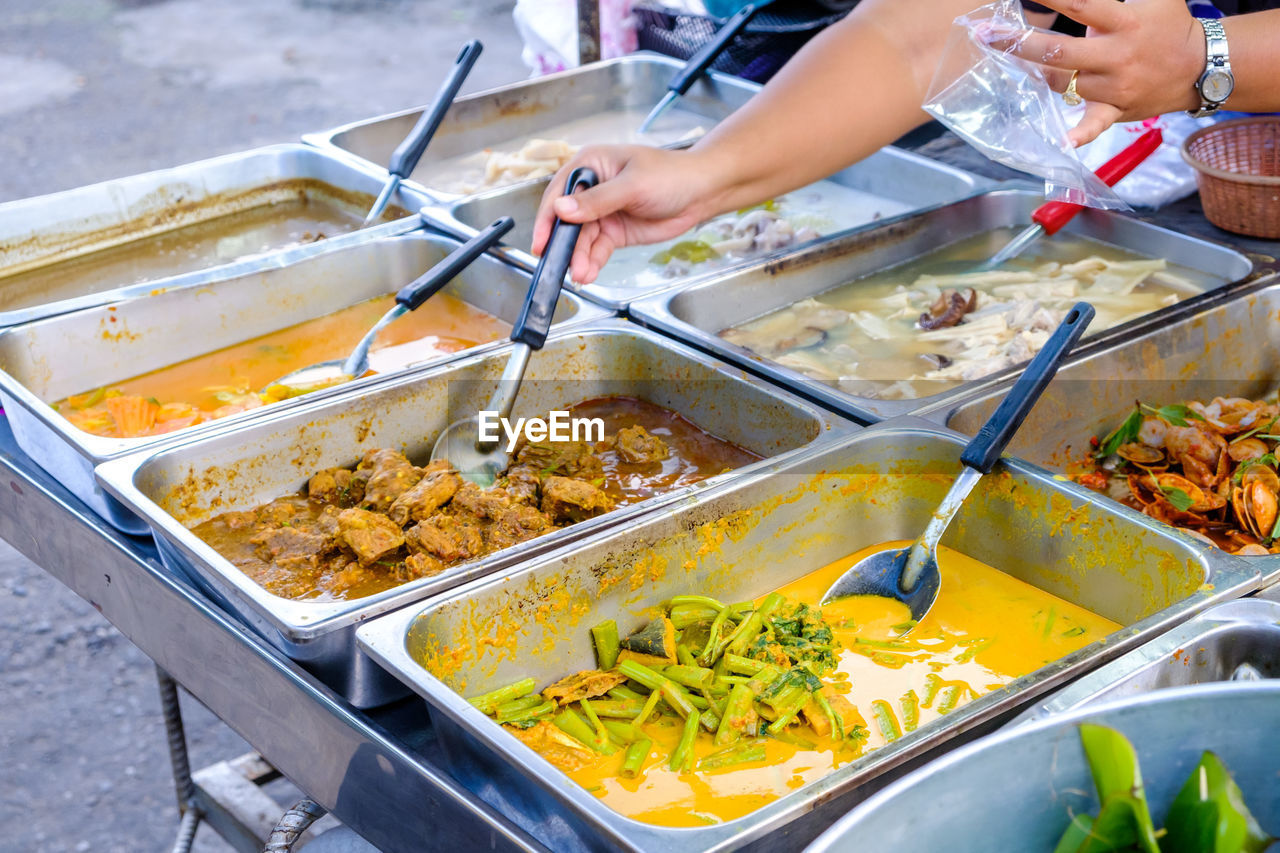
1074,632
1077,833
1181,500
1116,775
1209,814
1265,459
1256,430
1112,761
1125,433
1123,824
1176,415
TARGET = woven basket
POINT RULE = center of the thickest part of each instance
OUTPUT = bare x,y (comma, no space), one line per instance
1238,169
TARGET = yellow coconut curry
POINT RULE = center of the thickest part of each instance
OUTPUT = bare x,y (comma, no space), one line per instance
713,710
229,380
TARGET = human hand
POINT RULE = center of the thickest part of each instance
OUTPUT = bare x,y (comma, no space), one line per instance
645,195
1140,59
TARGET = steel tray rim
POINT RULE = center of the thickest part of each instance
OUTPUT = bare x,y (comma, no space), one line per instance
382,639
304,621
97,449
654,311
271,259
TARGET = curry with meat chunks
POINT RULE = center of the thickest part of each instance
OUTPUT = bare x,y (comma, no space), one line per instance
356,531
712,709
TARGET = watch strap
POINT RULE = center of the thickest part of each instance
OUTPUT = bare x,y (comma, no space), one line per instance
1216,59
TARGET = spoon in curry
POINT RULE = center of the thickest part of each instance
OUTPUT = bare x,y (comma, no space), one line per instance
478,460
409,298
910,574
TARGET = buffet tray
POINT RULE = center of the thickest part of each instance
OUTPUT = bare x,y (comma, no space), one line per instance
747,537
697,312
1204,650
890,173
1224,346
529,107
1018,789
49,359
246,466
44,230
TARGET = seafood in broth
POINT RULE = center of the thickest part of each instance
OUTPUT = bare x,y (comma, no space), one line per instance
1207,468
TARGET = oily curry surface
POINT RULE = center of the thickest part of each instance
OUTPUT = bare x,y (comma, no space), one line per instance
986,629
227,381
354,532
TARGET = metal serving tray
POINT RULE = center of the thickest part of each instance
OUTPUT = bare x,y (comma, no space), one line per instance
45,230
891,173
1018,789
750,536
241,468
1209,648
696,313
529,107
49,359
1224,346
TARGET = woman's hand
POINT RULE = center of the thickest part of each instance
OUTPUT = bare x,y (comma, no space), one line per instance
1140,58
645,195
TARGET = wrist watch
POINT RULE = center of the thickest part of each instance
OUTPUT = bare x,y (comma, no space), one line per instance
1217,81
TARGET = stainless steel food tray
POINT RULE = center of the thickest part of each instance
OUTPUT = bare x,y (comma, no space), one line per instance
36,232
696,313
890,173
529,107
48,359
241,468
1223,346
1018,789
1208,648
752,535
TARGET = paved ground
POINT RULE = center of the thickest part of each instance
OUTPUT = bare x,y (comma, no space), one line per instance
95,89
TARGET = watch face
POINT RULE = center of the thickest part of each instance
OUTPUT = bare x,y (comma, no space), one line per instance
1216,86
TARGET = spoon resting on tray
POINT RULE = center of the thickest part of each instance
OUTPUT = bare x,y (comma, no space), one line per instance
481,462
407,154
910,574
409,298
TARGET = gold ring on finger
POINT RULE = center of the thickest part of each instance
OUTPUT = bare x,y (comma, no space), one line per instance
1071,97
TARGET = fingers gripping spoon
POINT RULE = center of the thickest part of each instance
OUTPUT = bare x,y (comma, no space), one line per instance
1050,217
910,574
480,461
407,154
409,298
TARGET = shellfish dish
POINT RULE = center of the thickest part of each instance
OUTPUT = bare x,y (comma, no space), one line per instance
1206,468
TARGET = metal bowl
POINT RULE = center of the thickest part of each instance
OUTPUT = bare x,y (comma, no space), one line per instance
1017,789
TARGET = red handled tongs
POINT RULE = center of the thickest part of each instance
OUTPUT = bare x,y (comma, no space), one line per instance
1051,216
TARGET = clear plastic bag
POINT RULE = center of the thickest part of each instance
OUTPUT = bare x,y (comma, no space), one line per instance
1162,178
1002,105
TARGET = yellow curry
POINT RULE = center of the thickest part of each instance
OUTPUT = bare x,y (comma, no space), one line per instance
227,381
890,675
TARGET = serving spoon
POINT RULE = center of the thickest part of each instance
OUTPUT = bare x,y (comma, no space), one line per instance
481,462
910,574
407,154
409,298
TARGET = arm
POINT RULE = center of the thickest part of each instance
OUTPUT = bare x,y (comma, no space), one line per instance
1142,58
853,89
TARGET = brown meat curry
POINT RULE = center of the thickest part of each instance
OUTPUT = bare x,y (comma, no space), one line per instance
356,531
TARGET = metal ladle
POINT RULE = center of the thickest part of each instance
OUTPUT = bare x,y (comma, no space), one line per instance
407,154
409,298
479,461
910,574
